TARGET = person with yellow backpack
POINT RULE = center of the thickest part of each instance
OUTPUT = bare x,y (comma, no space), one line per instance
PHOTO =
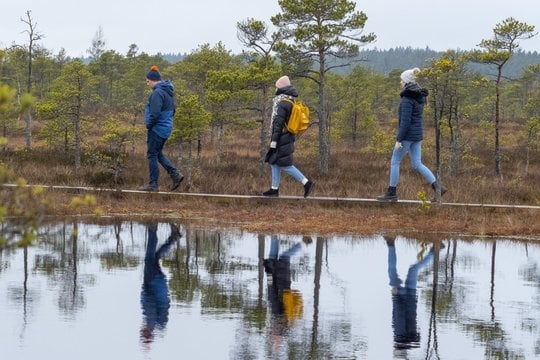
280,153
286,303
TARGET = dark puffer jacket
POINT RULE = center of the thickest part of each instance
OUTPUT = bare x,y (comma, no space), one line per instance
283,138
410,112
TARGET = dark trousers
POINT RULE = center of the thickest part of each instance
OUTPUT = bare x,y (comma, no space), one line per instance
155,156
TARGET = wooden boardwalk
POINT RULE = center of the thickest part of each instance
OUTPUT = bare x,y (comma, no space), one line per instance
84,189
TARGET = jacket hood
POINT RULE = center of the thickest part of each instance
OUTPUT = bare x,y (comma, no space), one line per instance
414,91
166,86
288,90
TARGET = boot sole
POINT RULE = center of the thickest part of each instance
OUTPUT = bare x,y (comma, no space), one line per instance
387,200
176,184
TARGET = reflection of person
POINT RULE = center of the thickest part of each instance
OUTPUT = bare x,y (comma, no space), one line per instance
404,299
280,154
158,117
409,134
155,292
286,304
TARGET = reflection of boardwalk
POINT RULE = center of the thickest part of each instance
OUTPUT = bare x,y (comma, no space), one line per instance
83,189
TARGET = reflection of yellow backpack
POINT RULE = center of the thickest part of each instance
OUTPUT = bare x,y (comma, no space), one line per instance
293,304
299,119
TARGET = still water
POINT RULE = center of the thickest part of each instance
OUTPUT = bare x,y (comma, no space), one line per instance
164,291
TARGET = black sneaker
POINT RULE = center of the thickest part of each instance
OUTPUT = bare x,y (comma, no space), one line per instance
308,187
149,188
176,180
271,192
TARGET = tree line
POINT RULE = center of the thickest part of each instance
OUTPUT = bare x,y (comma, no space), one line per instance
317,45
385,60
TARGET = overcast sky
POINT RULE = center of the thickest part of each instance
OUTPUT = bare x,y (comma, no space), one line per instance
180,26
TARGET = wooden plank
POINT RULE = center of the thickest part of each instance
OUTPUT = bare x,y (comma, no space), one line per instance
281,197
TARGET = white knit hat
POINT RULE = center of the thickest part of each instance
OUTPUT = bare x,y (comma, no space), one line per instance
409,76
283,82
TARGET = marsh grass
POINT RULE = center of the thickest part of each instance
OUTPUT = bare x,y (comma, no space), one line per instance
353,171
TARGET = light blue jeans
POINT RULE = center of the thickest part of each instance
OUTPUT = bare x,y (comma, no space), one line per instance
415,152
274,249
412,274
291,170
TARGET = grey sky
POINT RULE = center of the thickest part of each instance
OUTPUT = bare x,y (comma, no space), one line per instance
178,26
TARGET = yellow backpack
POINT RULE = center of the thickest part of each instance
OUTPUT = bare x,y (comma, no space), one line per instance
299,119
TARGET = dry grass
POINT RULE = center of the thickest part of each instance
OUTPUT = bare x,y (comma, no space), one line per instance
353,173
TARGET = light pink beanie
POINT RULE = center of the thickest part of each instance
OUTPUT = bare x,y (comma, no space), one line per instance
283,82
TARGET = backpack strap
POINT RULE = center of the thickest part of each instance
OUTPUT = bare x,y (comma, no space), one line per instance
289,100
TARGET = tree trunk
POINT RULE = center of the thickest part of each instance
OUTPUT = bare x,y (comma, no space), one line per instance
199,151
324,141
190,163
219,148
354,128
28,129
456,148
498,170
438,155
265,130
78,135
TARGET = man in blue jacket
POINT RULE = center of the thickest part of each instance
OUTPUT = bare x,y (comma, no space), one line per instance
155,300
158,117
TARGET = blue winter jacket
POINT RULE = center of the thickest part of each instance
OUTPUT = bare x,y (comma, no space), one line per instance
160,109
410,112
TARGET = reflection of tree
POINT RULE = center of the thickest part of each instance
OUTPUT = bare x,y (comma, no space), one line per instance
117,258
62,266
254,314
183,283
490,331
71,297
314,347
22,294
432,344
205,252
531,274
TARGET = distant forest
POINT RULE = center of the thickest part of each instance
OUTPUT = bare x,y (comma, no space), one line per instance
384,61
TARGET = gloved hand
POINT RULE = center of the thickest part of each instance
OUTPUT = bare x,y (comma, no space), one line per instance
270,155
398,145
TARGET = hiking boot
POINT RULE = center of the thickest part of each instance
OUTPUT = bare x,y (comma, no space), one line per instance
176,180
308,187
434,187
149,187
271,192
307,239
389,196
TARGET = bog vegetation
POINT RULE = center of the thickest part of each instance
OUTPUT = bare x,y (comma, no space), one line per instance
68,121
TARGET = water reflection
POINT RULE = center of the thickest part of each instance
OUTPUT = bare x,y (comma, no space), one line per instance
226,294
286,303
404,298
155,291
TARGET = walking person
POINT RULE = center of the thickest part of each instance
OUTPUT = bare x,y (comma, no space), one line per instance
409,134
158,117
155,300
404,298
280,154
286,304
